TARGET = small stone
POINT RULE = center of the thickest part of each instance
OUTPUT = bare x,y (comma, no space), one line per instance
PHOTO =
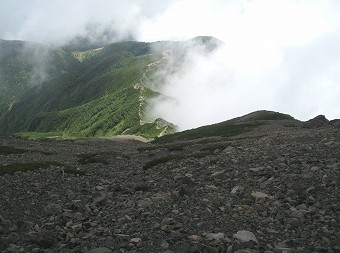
195,238
77,216
228,150
314,168
164,244
245,236
217,173
211,187
257,169
100,250
167,221
210,249
144,203
218,237
143,186
99,188
259,195
155,225
285,245
77,227
12,248
99,197
135,240
246,251
301,207
297,213
53,209
235,189
185,180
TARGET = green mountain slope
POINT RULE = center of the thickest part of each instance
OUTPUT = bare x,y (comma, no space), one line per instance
24,65
231,127
102,95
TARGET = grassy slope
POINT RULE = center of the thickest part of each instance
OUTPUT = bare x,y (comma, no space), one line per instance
112,114
94,97
22,67
97,100
227,128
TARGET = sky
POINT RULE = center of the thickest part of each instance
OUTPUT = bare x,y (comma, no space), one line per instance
280,55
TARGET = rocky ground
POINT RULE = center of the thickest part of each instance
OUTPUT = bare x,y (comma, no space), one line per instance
270,191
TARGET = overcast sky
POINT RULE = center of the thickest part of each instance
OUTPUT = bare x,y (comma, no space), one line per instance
278,55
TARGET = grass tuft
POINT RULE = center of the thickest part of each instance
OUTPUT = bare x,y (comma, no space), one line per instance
93,158
16,167
5,150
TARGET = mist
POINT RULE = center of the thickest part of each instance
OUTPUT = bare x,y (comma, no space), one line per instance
280,55
61,22
206,89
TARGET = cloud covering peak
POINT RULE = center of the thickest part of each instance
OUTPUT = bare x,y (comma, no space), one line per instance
277,55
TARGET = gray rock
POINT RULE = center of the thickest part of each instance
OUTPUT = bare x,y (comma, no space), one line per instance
217,173
143,203
235,189
215,236
246,251
99,197
298,213
259,195
12,248
53,209
143,186
245,236
257,169
228,150
100,250
164,244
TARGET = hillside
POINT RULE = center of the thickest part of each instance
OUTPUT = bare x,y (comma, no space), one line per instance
272,188
233,127
93,93
103,93
24,65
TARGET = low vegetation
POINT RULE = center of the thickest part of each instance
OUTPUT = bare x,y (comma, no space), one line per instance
40,136
22,167
5,150
93,158
94,94
224,129
230,128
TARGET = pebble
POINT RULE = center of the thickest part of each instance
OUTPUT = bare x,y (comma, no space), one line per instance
100,250
259,195
245,236
282,187
53,209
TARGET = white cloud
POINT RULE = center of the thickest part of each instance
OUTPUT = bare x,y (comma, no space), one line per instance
278,54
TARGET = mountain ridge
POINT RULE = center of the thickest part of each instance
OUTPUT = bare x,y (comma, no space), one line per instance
60,101
98,92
